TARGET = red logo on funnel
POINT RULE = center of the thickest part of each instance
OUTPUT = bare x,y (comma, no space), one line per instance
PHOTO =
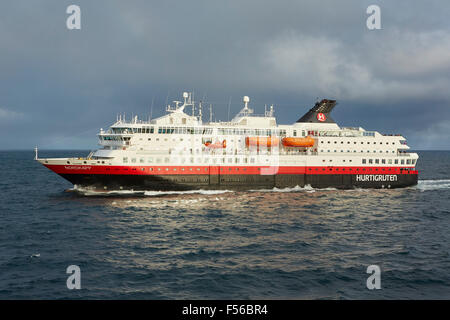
321,117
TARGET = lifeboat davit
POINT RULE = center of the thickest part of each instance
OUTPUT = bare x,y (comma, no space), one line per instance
262,141
298,142
216,145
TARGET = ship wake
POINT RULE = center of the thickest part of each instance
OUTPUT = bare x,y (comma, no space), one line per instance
142,193
427,185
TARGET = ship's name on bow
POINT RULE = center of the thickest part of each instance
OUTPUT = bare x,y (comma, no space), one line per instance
77,168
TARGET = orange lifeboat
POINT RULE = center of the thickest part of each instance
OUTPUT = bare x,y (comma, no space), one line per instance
262,141
298,142
216,145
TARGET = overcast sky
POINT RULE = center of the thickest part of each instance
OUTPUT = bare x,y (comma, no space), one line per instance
58,87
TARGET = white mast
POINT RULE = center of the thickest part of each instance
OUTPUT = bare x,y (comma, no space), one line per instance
210,113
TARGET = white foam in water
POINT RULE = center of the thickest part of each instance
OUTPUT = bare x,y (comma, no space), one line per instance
297,188
92,192
426,185
207,192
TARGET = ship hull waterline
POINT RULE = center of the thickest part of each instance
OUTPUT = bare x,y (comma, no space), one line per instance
180,182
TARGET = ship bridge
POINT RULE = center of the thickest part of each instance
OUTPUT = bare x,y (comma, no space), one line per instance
246,117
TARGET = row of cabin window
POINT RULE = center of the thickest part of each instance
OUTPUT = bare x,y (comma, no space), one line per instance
389,161
362,142
331,133
367,151
195,130
133,130
192,169
114,138
258,132
191,160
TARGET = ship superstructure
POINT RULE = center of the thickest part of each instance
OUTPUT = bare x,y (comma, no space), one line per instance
179,151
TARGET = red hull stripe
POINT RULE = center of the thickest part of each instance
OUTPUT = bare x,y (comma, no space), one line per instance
223,170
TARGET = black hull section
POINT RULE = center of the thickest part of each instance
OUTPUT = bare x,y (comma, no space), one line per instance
238,182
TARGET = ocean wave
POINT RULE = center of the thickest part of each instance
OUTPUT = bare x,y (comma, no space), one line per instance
426,185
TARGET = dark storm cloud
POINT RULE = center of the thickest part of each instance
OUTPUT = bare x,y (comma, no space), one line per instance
58,87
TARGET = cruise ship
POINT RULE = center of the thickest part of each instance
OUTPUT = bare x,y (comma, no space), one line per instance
180,151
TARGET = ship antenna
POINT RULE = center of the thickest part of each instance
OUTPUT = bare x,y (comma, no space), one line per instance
200,110
151,109
210,113
36,153
229,104
191,100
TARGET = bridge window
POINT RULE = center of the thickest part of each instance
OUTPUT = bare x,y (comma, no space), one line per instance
125,160
364,161
396,161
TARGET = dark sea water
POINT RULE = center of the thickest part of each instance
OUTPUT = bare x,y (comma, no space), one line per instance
273,244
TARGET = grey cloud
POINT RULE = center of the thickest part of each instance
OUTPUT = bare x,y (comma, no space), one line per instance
288,52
